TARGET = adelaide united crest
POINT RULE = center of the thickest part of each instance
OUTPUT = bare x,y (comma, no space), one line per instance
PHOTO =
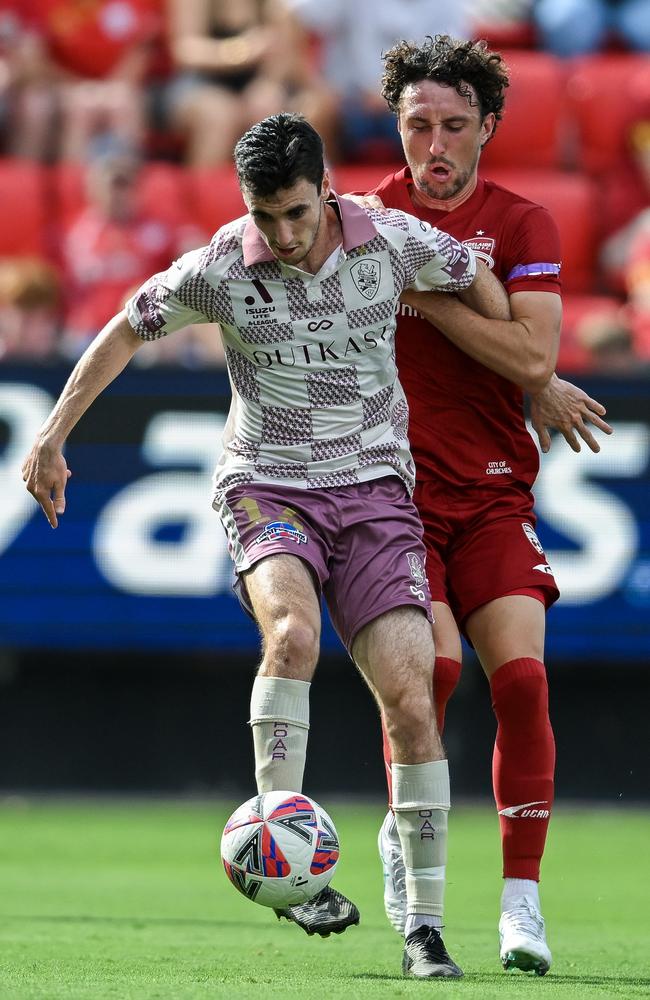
483,247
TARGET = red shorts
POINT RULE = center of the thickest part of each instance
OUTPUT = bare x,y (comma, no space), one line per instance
481,545
363,543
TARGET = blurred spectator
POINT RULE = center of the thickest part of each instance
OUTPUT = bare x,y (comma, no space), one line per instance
616,336
90,62
238,63
113,245
606,340
637,277
351,38
618,340
635,315
626,193
30,295
26,103
579,27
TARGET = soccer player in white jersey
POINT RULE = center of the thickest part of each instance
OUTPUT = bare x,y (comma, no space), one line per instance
314,484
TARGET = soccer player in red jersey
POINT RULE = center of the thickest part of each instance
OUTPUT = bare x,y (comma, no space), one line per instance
476,462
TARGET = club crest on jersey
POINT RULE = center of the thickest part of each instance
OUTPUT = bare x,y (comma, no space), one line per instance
281,529
366,275
529,532
483,247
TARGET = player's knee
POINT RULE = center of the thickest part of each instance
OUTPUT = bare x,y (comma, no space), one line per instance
409,710
292,645
523,705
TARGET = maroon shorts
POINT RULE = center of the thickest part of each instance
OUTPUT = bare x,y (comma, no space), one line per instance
481,545
362,542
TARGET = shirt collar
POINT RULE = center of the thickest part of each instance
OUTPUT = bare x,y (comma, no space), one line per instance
356,225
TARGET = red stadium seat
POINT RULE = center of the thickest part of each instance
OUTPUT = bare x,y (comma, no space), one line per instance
214,195
531,131
605,93
67,188
23,213
572,201
164,192
506,34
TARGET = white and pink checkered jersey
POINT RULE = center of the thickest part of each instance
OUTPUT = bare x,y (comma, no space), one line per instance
316,398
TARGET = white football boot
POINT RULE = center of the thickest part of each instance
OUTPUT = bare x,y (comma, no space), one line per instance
522,938
392,863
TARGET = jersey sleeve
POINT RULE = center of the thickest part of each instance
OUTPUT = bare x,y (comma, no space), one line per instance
435,260
165,302
532,258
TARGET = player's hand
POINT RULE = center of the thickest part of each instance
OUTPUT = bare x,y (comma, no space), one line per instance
367,201
568,409
45,475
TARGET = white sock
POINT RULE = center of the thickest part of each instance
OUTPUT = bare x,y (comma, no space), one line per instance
515,888
421,805
415,920
280,724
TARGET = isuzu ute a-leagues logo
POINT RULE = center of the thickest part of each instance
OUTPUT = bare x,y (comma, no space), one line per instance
483,247
281,529
366,275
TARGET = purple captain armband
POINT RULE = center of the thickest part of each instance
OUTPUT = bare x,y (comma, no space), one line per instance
533,270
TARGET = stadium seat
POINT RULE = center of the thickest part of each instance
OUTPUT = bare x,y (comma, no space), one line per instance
67,190
532,130
605,93
22,208
163,191
572,201
214,196
501,32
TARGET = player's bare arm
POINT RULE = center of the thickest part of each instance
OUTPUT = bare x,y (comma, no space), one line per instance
523,349
45,472
486,296
367,201
568,409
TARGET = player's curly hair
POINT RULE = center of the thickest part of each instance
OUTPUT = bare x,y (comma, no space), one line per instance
450,61
277,153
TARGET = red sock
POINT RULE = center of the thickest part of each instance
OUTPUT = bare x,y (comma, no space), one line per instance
523,764
446,675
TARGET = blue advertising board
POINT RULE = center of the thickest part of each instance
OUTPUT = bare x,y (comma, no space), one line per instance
140,560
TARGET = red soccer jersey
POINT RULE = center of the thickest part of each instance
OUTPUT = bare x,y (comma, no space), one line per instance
105,261
90,37
467,423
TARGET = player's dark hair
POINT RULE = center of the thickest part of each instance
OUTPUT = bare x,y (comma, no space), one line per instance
449,61
277,153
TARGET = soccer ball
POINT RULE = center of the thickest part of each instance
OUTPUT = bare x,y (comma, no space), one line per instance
280,848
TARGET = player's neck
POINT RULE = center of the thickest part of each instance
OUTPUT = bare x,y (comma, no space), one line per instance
422,200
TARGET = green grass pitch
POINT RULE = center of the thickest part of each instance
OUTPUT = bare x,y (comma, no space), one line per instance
130,902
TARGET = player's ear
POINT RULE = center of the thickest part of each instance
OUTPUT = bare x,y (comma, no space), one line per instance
326,186
487,128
